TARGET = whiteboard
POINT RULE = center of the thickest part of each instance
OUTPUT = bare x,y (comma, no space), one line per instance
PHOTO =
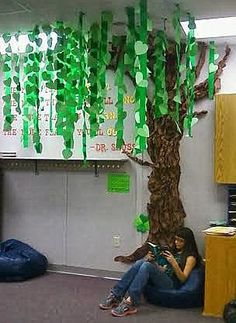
102,147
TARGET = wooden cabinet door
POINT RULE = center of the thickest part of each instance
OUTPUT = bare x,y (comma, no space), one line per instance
225,138
220,278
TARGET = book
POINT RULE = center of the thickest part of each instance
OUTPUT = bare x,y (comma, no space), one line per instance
221,230
154,249
157,251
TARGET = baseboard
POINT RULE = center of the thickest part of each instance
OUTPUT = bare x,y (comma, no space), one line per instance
72,270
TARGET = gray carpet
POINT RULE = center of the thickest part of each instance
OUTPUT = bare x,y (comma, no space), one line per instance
60,298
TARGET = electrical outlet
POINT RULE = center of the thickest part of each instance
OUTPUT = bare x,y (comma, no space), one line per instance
116,241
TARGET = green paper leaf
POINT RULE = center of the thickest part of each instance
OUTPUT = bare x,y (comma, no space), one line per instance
31,101
31,57
137,143
7,82
139,77
46,76
177,99
29,89
127,59
10,118
143,132
38,41
39,148
8,49
194,121
6,68
163,109
137,117
212,68
6,37
191,24
67,153
51,85
140,48
31,37
49,67
143,83
29,48
7,98
137,63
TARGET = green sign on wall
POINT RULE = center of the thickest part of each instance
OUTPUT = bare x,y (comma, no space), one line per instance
118,183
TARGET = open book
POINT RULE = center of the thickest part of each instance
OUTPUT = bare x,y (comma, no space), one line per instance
157,251
219,230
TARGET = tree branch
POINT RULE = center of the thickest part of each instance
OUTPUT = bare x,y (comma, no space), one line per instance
137,160
200,114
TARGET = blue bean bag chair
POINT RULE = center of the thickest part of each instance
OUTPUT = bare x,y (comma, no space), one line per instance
190,294
19,261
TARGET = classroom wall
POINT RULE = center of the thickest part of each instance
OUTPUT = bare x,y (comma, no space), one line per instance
72,218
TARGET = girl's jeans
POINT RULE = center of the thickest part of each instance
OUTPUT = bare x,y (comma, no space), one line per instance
137,277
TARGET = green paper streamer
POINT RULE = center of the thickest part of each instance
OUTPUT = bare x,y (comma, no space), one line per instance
16,78
161,95
66,83
141,48
93,62
35,81
83,61
177,29
212,68
50,75
83,77
7,113
191,51
130,55
105,57
51,114
119,82
84,143
27,87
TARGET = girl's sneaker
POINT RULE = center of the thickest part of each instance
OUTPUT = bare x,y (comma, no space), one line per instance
109,302
124,309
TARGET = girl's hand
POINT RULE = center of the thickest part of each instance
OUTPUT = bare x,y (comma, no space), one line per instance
170,258
149,257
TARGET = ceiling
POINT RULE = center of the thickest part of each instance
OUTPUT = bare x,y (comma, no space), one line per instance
22,15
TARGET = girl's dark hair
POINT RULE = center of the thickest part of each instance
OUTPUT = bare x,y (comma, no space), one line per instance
190,246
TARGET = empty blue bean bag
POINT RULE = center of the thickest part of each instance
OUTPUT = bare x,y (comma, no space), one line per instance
19,261
190,294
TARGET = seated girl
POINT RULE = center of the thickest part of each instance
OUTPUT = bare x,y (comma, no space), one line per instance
182,261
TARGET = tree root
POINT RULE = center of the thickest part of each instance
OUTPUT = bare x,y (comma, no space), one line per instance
139,253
